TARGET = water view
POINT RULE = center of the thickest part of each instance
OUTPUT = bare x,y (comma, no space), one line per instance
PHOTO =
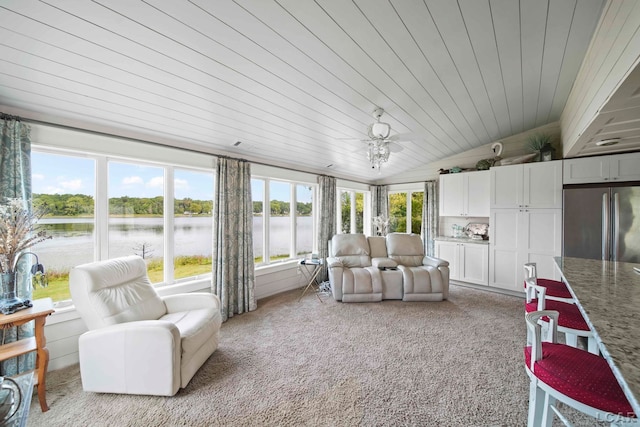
73,240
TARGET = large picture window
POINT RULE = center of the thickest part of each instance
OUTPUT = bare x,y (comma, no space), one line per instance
405,212
129,218
351,211
286,230
63,188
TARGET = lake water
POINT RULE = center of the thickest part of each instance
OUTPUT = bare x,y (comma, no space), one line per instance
73,240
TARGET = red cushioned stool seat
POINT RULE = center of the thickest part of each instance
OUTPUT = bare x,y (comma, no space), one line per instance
555,288
570,316
580,375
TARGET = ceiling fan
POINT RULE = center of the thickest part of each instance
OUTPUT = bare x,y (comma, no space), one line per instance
380,143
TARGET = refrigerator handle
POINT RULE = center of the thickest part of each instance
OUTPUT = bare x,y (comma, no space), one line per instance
605,226
616,226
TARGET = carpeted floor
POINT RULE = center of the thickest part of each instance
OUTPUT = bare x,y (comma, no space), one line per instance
296,363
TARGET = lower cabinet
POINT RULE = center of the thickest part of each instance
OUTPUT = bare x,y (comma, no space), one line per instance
468,262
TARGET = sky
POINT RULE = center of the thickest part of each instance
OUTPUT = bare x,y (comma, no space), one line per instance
59,174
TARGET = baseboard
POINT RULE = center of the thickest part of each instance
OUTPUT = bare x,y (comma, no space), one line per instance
488,289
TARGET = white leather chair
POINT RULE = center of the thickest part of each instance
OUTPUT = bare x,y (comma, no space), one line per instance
138,342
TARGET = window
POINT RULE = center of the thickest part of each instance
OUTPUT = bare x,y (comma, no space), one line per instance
136,214
351,215
98,208
63,188
193,223
405,212
287,229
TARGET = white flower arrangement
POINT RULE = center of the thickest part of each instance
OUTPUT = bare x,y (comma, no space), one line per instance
381,223
18,232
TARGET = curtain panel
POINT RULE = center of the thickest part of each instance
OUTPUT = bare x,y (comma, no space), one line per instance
327,227
430,217
233,262
379,204
15,183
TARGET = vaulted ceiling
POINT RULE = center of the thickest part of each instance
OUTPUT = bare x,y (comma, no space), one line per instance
296,81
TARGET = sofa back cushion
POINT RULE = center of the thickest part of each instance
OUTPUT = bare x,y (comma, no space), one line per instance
114,291
405,249
351,249
377,246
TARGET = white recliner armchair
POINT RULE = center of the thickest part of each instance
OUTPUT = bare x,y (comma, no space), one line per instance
138,342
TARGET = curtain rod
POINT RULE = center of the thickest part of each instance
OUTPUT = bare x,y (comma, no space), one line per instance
193,150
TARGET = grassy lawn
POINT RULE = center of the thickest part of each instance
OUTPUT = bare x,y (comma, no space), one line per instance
58,288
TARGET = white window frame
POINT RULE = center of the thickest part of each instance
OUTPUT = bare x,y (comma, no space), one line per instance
409,189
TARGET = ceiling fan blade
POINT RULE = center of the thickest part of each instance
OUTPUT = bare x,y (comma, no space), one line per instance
394,147
407,136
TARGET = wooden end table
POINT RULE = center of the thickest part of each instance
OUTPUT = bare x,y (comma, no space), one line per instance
38,343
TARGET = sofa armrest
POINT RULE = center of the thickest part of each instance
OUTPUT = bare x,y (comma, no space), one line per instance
119,358
383,262
191,301
334,262
434,262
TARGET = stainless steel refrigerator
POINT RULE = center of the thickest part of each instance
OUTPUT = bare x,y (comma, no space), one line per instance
602,222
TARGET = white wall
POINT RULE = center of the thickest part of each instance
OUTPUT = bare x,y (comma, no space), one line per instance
613,53
515,145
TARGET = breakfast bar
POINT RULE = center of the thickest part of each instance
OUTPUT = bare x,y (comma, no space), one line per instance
608,294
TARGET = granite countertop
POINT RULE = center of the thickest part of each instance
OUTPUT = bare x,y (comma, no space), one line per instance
608,294
461,240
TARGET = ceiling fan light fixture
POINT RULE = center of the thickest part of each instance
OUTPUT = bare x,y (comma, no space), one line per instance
379,130
378,153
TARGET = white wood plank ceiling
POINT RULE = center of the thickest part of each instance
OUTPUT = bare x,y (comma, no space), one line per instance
295,80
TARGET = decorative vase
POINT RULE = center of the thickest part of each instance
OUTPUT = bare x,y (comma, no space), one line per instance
9,303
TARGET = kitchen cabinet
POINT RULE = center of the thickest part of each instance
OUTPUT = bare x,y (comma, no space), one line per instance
519,236
616,167
465,194
468,262
529,185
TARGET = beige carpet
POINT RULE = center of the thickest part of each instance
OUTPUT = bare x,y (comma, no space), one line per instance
297,363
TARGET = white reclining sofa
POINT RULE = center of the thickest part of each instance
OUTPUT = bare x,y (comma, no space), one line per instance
367,269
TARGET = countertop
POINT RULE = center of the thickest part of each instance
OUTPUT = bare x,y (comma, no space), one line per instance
461,240
608,294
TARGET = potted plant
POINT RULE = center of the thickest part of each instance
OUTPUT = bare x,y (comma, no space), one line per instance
540,144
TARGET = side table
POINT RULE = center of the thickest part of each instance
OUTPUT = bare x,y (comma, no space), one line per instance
311,268
38,343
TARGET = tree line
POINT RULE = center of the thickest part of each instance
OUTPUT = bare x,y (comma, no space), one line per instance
83,205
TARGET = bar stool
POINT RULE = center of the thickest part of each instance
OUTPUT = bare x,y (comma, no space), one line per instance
556,290
572,376
571,322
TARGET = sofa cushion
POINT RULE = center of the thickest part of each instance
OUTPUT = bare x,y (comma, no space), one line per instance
195,326
377,246
405,249
351,249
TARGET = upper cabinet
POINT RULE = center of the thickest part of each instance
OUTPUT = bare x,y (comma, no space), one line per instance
465,194
529,185
616,167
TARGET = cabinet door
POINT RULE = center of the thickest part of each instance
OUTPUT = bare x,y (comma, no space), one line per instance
478,193
505,260
586,170
448,251
452,194
474,263
625,167
542,240
506,186
542,185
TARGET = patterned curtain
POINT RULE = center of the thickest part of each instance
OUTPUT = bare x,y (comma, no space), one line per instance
15,183
430,216
233,262
379,204
327,209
